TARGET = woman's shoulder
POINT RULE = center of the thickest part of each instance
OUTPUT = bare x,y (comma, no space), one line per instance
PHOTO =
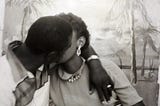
110,66
117,75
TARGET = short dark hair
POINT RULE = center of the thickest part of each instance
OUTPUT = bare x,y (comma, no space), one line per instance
47,34
78,25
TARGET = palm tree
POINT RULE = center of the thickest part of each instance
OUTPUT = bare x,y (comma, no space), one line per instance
133,48
29,8
121,19
121,16
146,34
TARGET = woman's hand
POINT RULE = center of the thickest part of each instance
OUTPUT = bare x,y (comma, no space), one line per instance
99,79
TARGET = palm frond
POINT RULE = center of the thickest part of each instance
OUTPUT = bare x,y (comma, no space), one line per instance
30,9
34,8
9,3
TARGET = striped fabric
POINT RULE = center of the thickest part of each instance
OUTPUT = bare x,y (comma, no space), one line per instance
26,82
25,90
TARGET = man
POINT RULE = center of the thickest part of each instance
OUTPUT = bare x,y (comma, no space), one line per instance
23,71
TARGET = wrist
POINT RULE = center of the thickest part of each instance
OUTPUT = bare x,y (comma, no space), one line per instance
93,63
87,52
92,57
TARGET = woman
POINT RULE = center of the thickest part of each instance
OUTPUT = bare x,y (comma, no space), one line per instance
70,82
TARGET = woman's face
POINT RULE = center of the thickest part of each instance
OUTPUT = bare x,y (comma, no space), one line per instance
71,50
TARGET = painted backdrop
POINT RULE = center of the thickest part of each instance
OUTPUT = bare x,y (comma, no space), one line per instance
125,31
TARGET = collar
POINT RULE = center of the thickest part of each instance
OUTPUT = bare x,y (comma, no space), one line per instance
71,77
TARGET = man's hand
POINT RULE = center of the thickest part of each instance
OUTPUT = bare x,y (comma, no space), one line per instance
100,80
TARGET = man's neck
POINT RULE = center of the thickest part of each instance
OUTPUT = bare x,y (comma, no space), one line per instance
72,65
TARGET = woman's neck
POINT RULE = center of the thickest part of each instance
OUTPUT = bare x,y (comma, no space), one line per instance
72,65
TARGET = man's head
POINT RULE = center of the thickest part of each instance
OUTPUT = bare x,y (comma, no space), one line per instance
46,39
44,35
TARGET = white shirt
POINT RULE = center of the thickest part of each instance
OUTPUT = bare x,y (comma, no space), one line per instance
9,79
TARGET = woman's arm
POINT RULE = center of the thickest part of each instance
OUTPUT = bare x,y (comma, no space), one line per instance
99,79
139,104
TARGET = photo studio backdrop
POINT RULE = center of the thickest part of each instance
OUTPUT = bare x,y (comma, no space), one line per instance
2,11
124,31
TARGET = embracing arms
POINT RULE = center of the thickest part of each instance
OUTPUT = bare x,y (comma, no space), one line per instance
99,78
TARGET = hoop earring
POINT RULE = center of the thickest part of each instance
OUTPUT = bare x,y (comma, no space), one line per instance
79,51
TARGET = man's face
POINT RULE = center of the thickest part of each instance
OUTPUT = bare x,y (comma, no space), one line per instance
67,54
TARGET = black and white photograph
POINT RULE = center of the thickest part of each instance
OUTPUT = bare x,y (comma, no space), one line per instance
79,52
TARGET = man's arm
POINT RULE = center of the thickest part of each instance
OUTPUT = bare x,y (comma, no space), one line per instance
99,78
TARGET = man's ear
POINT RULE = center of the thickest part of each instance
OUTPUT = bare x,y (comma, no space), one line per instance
52,57
81,41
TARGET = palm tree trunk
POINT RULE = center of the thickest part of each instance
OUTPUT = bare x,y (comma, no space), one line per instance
120,61
144,57
133,57
23,24
133,48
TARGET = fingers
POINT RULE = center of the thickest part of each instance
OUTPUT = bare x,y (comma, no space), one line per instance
91,88
109,90
107,94
104,93
109,81
100,94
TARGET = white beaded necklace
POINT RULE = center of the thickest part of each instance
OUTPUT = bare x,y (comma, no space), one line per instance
71,77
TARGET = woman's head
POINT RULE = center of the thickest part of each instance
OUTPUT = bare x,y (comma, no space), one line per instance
78,26
80,35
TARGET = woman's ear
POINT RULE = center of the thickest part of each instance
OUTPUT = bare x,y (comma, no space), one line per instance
81,41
